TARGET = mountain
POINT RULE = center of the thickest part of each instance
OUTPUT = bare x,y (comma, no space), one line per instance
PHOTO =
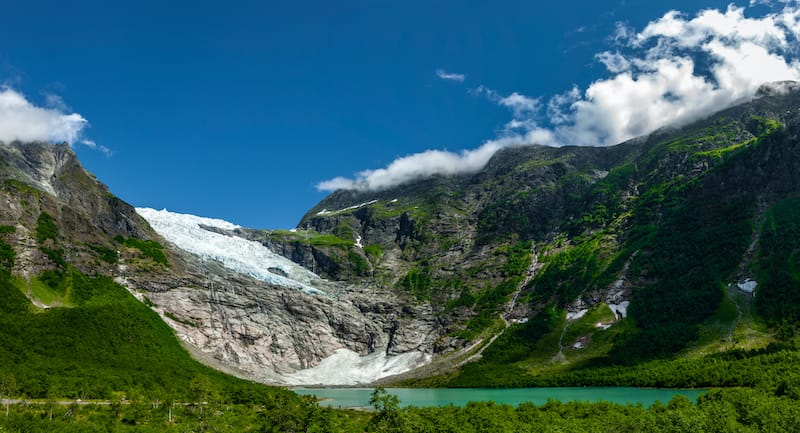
68,329
232,302
676,245
680,243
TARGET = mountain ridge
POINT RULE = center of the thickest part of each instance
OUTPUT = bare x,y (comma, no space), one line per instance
547,259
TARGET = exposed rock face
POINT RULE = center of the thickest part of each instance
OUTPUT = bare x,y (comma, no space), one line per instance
40,177
268,332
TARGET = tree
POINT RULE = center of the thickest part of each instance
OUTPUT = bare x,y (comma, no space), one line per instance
8,389
387,416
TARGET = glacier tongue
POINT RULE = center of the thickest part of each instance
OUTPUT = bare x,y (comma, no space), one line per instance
238,254
346,367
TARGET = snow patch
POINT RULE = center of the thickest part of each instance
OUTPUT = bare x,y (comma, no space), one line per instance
747,286
235,253
358,242
346,367
324,212
601,325
621,309
576,315
577,345
394,200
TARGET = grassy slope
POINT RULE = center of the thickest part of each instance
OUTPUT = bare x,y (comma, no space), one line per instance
106,341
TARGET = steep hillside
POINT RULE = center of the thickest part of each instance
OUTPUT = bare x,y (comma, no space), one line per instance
68,329
681,242
71,247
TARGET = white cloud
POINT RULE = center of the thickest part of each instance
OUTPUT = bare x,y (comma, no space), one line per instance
416,166
91,144
56,102
521,106
23,121
444,75
614,62
675,70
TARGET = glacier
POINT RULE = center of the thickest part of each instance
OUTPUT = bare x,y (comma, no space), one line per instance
235,253
346,367
341,366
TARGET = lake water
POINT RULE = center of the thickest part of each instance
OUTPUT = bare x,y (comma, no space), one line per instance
359,397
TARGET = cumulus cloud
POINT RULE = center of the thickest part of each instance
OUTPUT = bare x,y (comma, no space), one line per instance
673,71
23,121
416,166
450,76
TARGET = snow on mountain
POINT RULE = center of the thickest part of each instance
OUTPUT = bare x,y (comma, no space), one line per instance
238,254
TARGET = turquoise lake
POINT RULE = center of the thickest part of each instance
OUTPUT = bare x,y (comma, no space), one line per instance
359,397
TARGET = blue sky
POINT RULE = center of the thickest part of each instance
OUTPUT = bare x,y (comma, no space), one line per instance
239,110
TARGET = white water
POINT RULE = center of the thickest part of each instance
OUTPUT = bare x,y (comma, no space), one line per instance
577,315
621,308
747,286
235,253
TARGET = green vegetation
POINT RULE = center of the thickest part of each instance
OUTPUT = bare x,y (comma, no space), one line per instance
374,251
174,317
105,254
778,263
21,187
39,289
418,282
313,238
730,410
496,367
359,263
109,346
149,248
573,270
46,228
7,254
